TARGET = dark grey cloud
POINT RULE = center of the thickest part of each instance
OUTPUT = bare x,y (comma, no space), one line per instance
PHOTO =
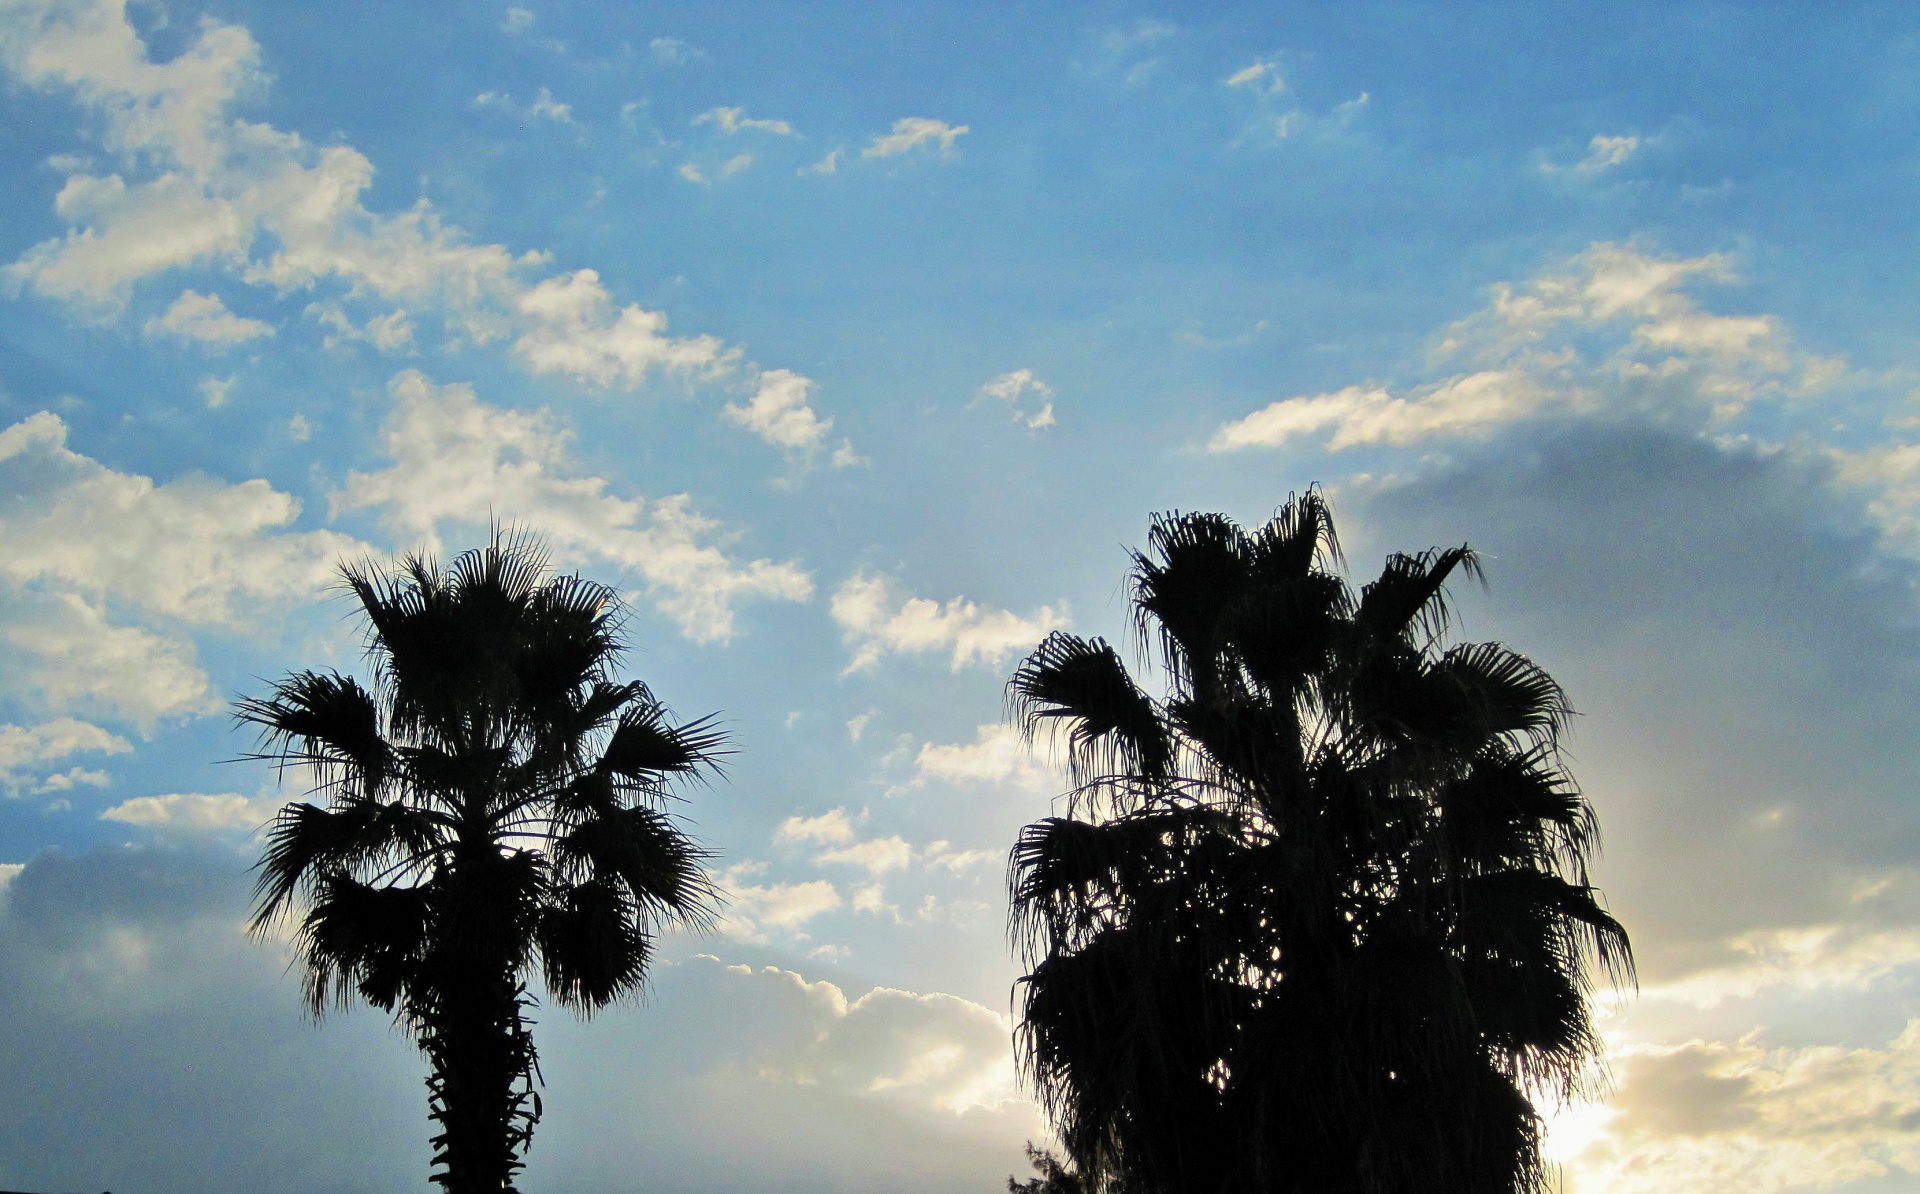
147,1045
1742,648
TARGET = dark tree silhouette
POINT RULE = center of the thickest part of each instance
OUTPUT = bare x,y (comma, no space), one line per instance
1317,918
493,808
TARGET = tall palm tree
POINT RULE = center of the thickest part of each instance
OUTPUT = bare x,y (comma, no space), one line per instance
1316,917
493,809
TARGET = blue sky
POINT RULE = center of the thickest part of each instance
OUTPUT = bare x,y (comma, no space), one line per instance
855,343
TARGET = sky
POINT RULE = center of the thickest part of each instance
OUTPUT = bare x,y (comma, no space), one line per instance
856,344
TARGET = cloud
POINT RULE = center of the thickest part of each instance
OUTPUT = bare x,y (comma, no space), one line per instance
692,174
826,165
1370,415
214,390
1742,1115
1011,387
203,317
193,812
752,909
63,654
735,120
671,51
997,755
876,856
833,827
735,165
574,329
877,617
121,968
388,333
275,211
780,414
28,749
1260,76
517,20
547,108
1603,154
195,549
1664,356
910,132
458,462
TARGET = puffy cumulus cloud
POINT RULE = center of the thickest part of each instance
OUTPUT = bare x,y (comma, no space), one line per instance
938,1050
736,120
877,617
61,653
1659,354
27,750
388,333
754,910
839,832
1715,1115
194,812
195,549
911,132
458,461
205,318
575,330
208,189
780,414
998,754
85,549
1013,389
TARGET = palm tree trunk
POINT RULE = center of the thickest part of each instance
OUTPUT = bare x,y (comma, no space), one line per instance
481,1087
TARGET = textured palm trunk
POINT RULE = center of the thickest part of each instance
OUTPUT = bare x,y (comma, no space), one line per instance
481,1089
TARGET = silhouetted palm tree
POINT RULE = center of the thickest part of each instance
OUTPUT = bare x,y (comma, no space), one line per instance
1317,918
494,806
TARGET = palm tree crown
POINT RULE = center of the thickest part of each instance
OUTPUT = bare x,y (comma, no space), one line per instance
492,810
1317,916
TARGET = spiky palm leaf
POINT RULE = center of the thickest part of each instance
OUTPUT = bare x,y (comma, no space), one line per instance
491,811
1318,916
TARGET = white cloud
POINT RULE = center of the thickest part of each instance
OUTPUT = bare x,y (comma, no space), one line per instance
736,120
1661,338
214,390
877,617
1260,76
692,174
934,1050
826,165
1604,153
736,164
219,188
388,333
299,430
194,548
780,414
193,812
997,755
671,51
1011,388
458,461
27,749
547,108
857,726
62,650
833,827
203,317
753,909
516,21
573,329
912,131
1370,415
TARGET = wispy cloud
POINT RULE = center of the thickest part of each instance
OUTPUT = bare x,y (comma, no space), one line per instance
735,120
877,617
911,132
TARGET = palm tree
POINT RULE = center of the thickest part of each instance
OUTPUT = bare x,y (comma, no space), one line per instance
1317,916
493,810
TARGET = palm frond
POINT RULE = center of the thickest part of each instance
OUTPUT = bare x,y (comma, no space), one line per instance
1111,724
